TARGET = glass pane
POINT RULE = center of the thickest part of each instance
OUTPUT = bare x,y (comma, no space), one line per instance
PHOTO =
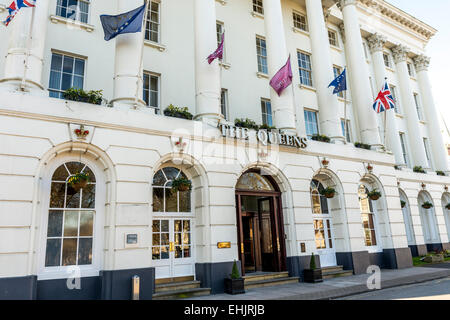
68,64
186,251
164,252
155,253
324,204
85,251
177,225
77,82
164,239
60,174
159,179
155,227
254,181
56,62
71,224
374,238
79,67
164,225
66,81
186,226
69,252
55,80
185,201
171,201
178,253
88,197
86,224
158,199
75,167
55,219
316,203
156,239
57,195
171,173
186,238
73,198
177,238
53,252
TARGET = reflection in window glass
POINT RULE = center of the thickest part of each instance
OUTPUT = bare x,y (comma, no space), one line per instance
164,198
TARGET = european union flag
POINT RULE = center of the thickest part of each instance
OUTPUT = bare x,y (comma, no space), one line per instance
340,83
129,22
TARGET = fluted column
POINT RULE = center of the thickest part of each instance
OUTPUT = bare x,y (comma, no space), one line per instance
415,138
435,135
128,69
358,74
393,143
330,123
23,52
207,76
277,55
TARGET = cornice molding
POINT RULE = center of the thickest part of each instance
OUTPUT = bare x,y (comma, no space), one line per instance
376,42
422,63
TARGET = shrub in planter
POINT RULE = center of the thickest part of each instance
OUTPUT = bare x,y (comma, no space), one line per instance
313,274
427,205
78,181
321,138
419,169
328,192
177,112
361,145
403,203
181,184
234,284
440,173
246,123
266,127
93,97
374,195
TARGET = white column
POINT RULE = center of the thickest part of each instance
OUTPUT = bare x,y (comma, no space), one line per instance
414,137
437,143
128,69
393,143
207,76
358,74
25,52
330,122
277,55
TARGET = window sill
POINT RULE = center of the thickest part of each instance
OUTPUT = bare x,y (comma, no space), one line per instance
423,122
335,48
298,30
2,7
343,100
72,23
413,78
222,2
257,15
225,65
155,45
399,115
262,75
302,86
66,272
390,69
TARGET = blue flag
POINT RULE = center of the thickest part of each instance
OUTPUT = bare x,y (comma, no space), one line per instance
340,83
128,22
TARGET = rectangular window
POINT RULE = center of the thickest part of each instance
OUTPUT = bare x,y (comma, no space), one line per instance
427,152
387,61
333,38
151,90
410,69
258,6
261,52
365,51
345,126
393,90
73,9
311,123
337,72
300,21
219,32
266,111
404,149
419,111
304,67
152,25
224,103
65,72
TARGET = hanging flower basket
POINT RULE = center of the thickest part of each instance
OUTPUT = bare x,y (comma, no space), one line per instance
403,203
374,195
447,206
328,192
181,184
427,205
78,181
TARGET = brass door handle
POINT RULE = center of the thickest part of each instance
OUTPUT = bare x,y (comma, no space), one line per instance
242,248
171,247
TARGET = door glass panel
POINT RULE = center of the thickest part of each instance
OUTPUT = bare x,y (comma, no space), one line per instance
71,224
69,252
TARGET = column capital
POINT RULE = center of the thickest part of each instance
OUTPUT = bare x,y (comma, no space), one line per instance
342,30
400,53
342,3
376,42
422,63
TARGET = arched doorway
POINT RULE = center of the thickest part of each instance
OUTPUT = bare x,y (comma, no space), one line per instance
446,210
429,221
260,224
410,235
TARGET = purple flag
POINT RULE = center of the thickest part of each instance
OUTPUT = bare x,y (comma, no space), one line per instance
219,51
283,78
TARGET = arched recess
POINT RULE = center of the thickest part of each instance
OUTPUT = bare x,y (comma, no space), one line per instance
446,210
198,218
407,218
329,218
375,220
61,162
429,221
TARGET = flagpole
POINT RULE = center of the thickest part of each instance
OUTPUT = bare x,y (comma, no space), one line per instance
28,51
345,109
139,76
385,123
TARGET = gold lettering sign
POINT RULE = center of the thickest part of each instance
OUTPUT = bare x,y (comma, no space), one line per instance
223,245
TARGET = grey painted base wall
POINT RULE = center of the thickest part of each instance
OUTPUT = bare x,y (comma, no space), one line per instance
108,285
212,275
434,247
296,265
446,246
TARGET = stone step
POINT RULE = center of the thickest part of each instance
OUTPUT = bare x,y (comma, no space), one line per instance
174,280
182,294
270,282
336,274
332,269
265,276
176,286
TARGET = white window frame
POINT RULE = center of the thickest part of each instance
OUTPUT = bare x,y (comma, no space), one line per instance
426,145
411,70
149,22
300,25
74,56
264,114
393,90
224,103
77,11
305,110
405,150
308,71
63,272
158,76
418,106
348,130
330,39
220,29
260,56
375,212
387,60
258,7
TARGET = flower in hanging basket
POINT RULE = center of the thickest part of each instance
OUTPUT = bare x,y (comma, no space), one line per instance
181,184
447,206
78,181
403,203
374,195
427,205
328,192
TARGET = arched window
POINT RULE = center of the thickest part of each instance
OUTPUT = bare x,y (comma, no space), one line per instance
428,218
71,216
407,219
319,202
164,198
368,216
254,181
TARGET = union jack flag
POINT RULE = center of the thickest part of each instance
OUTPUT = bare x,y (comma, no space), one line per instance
385,100
14,8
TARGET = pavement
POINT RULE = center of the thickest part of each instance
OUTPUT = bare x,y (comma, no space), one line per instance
339,287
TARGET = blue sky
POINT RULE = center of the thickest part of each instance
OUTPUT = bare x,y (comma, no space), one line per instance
435,13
